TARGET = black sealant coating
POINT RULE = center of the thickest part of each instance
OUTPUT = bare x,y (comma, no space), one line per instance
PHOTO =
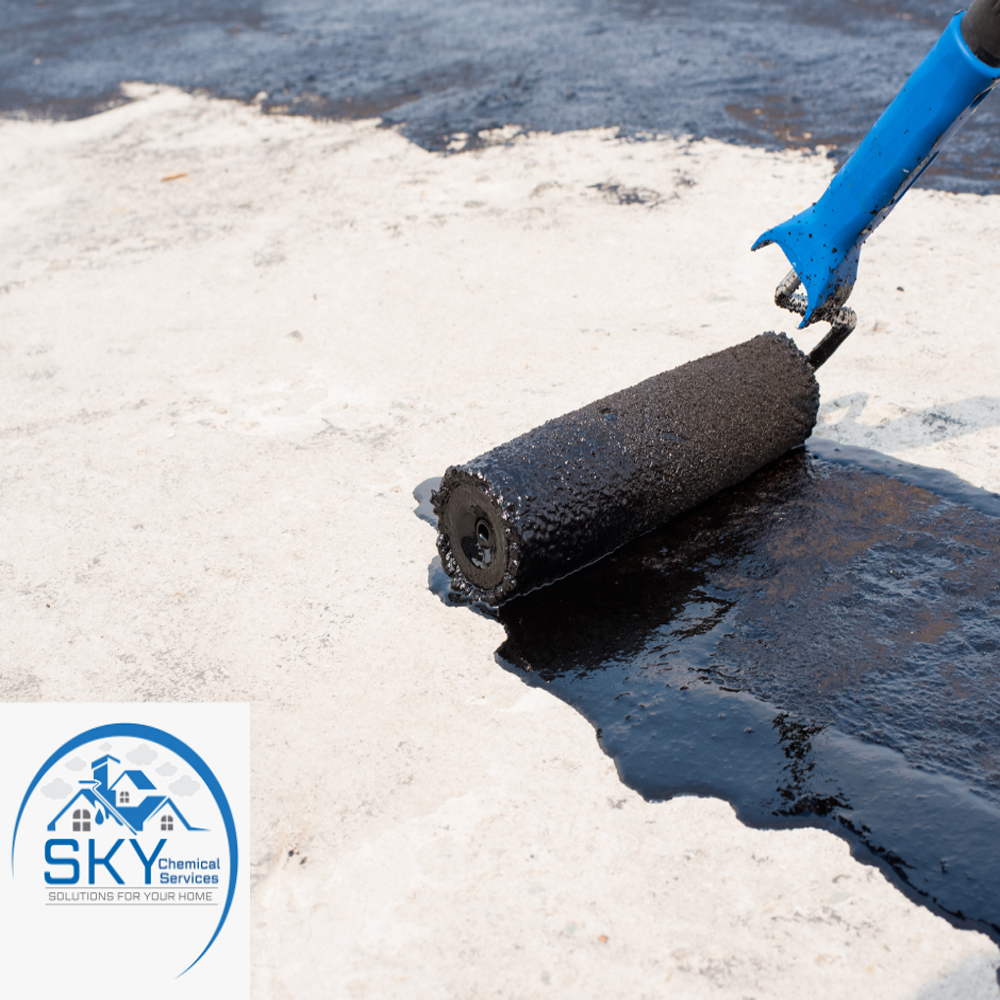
561,496
799,73
819,645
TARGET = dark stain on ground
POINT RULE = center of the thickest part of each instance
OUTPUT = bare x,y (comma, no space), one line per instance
778,73
621,195
820,646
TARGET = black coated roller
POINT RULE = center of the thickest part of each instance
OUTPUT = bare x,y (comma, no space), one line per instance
567,493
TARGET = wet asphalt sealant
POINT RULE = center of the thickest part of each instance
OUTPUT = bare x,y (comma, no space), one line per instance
818,646
778,73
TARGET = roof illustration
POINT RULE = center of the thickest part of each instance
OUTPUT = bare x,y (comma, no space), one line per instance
166,801
137,815
96,792
97,801
138,779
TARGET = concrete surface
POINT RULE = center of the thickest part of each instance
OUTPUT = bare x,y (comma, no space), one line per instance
218,394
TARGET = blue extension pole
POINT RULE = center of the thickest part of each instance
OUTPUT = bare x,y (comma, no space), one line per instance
823,243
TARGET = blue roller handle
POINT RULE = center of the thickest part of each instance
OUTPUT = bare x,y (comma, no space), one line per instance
823,242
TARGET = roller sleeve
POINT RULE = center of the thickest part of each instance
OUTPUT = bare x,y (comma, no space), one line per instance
567,493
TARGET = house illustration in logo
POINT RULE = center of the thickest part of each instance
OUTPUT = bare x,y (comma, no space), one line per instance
130,801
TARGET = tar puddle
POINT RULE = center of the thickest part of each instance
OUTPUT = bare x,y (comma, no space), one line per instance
818,646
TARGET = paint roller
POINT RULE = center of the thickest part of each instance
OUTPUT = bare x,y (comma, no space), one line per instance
569,492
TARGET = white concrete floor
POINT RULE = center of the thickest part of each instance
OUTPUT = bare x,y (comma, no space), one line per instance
218,394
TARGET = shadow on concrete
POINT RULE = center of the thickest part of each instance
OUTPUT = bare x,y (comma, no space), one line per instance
917,427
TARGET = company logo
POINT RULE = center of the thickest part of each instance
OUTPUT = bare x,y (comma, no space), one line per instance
127,829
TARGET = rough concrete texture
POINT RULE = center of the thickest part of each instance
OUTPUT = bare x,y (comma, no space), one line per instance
218,393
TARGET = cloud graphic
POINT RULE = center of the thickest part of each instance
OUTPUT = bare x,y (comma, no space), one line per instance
105,747
76,764
56,789
166,769
185,786
142,755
